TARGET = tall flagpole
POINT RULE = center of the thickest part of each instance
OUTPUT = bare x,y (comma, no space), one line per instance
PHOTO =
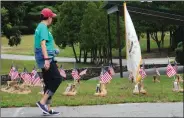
124,5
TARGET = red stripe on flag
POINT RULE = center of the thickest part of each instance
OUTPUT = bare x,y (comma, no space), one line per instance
170,71
142,73
106,77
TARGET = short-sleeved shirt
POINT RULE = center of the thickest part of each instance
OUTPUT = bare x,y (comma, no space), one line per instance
43,33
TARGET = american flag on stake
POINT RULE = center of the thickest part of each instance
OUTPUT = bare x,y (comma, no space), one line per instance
11,70
142,73
26,76
111,70
35,77
170,71
14,74
75,74
105,77
83,72
62,72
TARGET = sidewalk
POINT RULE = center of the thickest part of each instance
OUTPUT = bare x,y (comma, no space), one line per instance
67,59
114,110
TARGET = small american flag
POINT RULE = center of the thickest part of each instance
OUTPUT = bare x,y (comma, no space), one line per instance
11,70
26,76
62,72
83,72
35,77
14,74
142,73
105,77
75,74
111,70
170,71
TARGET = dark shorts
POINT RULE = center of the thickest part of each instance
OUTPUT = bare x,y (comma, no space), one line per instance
52,77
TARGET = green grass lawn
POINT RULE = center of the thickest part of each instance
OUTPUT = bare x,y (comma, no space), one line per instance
6,64
156,92
26,47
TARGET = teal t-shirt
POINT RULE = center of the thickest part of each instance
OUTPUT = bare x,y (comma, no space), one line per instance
42,33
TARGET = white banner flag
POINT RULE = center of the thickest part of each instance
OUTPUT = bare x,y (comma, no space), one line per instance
133,51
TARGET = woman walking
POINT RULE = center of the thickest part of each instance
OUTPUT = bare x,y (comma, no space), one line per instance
44,56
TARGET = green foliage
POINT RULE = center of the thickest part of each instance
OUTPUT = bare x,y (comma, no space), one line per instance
21,17
93,27
13,14
79,22
69,18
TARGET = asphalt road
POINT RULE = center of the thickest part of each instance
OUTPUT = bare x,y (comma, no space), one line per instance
66,59
114,110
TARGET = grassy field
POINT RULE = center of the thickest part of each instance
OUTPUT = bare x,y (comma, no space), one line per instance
119,91
6,64
26,47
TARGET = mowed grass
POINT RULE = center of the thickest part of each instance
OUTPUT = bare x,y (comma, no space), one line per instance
6,64
27,43
27,47
119,91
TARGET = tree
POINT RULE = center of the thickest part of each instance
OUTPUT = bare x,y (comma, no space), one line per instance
12,21
67,27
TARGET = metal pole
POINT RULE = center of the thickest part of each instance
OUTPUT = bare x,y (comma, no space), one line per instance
110,41
119,42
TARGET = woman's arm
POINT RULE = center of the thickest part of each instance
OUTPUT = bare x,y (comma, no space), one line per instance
44,49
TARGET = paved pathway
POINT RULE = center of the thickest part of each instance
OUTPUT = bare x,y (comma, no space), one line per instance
114,110
67,59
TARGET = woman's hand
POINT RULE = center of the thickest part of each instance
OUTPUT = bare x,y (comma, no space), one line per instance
47,64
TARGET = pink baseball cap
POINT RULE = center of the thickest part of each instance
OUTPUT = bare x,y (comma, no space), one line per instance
48,13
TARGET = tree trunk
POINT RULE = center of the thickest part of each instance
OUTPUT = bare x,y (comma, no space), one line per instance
103,54
100,55
155,37
159,47
85,56
74,53
148,41
80,55
91,55
171,34
162,36
95,54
